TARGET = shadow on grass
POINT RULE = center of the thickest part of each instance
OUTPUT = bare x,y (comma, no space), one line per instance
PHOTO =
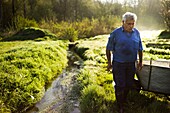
147,102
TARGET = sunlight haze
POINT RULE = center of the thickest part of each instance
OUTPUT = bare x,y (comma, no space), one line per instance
120,1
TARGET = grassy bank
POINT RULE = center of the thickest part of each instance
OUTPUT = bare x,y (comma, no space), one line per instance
25,68
94,84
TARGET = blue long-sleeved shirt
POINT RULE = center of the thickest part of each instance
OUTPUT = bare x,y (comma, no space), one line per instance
125,46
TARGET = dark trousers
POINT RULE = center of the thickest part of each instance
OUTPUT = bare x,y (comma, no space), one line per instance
123,74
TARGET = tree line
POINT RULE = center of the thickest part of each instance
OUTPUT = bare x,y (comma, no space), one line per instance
150,12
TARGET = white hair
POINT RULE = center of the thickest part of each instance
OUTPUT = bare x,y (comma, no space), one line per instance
129,16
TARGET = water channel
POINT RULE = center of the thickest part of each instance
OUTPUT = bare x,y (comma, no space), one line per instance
59,97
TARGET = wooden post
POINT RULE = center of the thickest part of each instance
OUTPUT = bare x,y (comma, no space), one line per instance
150,73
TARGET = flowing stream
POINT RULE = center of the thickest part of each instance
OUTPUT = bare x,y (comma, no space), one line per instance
59,97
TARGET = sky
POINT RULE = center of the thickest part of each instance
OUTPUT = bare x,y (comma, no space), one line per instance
120,1
133,2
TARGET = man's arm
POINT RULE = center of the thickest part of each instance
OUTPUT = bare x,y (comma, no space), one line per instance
108,55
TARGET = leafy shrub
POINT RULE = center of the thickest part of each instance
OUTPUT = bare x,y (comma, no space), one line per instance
70,34
92,27
83,27
20,22
104,25
48,24
65,31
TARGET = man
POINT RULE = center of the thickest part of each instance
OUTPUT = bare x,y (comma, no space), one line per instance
125,44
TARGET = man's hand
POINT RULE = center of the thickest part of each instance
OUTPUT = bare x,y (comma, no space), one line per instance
109,66
139,66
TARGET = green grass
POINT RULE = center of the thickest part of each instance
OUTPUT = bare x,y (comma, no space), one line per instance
25,68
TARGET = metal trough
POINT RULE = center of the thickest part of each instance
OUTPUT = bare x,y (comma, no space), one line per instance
155,76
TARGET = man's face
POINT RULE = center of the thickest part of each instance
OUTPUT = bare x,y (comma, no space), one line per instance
128,25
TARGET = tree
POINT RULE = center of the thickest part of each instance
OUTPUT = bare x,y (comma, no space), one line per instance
24,8
165,12
32,5
1,13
